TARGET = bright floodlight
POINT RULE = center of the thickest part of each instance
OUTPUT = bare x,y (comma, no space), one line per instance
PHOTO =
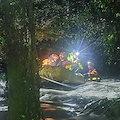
88,62
77,53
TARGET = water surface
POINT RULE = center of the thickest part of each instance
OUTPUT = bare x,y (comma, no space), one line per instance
89,101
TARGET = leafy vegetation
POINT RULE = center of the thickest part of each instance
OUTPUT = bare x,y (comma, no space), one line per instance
87,22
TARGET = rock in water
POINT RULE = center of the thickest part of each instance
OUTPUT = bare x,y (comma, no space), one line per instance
61,74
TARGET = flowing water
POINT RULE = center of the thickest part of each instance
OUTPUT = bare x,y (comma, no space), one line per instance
3,102
89,101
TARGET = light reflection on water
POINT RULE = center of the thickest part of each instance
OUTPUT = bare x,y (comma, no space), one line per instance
89,101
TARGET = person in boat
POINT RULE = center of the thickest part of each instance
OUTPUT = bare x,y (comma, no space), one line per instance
63,62
73,58
92,74
50,61
54,59
91,69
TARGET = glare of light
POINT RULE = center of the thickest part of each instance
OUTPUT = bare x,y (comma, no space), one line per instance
118,48
88,62
77,53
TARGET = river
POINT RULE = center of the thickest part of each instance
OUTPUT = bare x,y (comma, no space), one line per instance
88,101
3,101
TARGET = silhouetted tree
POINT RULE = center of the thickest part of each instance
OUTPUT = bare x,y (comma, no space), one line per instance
22,70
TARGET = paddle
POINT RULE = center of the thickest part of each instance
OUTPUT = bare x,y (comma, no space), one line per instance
56,82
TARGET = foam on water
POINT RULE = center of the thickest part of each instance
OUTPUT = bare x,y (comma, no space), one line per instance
92,100
2,84
3,105
107,88
3,108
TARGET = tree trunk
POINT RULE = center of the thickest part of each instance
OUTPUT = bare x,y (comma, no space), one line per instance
23,99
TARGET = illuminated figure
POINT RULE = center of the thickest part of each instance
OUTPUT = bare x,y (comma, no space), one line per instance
91,69
92,74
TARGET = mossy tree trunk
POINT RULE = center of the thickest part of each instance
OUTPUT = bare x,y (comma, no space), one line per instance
23,99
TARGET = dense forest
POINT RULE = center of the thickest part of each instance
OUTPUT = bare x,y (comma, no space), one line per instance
27,27
93,25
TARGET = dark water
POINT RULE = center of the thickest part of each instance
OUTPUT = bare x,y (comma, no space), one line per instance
89,101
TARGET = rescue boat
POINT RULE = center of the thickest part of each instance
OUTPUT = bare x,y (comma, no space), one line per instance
61,74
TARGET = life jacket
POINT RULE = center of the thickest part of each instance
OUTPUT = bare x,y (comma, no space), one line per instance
50,61
71,58
62,55
92,77
54,57
74,60
46,62
66,64
94,72
63,62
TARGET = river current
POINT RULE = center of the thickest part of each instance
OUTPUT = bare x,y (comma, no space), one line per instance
88,101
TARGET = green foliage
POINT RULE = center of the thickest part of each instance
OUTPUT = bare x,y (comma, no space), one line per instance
117,14
94,21
23,116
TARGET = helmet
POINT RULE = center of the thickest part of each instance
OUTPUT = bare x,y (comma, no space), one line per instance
54,56
62,55
90,65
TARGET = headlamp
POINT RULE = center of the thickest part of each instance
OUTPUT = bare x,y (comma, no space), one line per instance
77,53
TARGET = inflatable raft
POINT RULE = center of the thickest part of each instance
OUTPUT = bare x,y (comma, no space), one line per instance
61,74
